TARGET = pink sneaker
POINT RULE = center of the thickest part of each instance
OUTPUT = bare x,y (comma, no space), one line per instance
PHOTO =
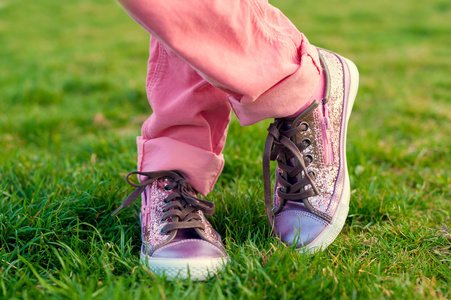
311,196
177,239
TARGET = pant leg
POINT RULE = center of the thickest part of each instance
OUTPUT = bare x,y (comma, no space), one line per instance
187,129
246,48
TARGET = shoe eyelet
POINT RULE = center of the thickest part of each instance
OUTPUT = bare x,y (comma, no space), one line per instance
310,159
306,142
312,174
167,189
304,126
161,232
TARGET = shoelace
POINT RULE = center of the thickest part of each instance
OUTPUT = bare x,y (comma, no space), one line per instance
181,204
279,145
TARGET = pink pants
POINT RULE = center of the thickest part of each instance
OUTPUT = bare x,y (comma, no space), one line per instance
208,57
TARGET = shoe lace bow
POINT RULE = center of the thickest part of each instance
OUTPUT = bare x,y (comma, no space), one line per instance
181,205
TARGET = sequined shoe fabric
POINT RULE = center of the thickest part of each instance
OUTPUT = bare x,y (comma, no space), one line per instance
311,194
177,239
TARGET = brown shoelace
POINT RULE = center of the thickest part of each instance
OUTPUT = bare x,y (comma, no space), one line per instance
295,177
181,205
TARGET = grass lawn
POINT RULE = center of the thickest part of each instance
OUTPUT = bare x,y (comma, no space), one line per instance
72,99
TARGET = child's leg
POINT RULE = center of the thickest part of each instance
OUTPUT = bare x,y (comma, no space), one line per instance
187,129
248,49
180,149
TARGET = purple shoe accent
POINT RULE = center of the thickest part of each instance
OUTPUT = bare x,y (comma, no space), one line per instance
193,248
294,218
311,193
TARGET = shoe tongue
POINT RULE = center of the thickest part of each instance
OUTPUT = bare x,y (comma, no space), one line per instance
183,234
293,205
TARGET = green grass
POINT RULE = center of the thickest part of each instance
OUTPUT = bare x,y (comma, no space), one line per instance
72,100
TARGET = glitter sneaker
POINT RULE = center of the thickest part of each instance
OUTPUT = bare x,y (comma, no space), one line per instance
311,193
177,239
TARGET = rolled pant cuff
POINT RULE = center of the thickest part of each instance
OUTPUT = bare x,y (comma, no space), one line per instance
200,167
286,97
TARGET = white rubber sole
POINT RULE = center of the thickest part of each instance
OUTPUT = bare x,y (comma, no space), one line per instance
178,268
331,233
